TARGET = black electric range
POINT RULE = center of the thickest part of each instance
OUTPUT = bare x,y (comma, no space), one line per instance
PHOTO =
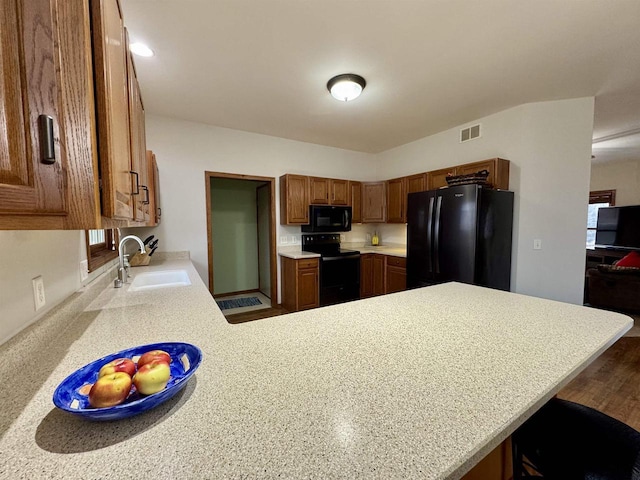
339,268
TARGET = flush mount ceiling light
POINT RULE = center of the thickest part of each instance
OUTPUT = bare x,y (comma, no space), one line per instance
141,49
346,87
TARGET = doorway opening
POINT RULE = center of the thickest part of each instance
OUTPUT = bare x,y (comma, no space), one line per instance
241,241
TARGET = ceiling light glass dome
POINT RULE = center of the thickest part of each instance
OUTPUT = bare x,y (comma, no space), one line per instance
346,87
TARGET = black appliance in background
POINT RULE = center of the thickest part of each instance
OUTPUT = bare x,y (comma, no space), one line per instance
339,268
619,227
326,219
460,234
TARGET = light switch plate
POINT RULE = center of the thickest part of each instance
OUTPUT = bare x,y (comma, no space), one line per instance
84,270
537,244
39,299
284,240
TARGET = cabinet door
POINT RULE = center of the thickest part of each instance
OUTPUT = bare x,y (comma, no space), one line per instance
112,95
356,201
498,171
340,192
30,86
373,202
366,275
396,201
319,191
378,274
395,275
308,288
154,193
438,178
417,183
140,186
294,200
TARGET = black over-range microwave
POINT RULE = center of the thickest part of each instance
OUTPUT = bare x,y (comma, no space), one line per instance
326,219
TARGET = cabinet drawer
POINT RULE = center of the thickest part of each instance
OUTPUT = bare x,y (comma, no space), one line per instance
308,263
396,261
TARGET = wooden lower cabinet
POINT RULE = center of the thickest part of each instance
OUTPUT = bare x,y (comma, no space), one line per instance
395,274
300,283
381,274
497,465
366,275
371,275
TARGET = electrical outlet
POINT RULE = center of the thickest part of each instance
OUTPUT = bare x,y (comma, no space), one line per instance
342,237
294,240
38,292
284,240
537,244
84,270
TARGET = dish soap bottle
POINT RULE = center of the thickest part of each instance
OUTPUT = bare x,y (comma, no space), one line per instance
375,240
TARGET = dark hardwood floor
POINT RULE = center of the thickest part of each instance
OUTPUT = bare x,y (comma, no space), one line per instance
255,315
611,383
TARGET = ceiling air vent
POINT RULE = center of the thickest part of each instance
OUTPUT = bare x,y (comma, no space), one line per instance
469,133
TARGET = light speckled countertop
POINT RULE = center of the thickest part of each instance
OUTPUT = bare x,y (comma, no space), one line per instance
417,384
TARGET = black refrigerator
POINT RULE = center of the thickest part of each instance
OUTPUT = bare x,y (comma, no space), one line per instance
460,234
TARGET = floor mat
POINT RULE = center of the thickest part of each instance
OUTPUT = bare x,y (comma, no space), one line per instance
238,302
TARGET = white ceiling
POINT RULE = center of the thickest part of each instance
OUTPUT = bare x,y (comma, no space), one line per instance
262,65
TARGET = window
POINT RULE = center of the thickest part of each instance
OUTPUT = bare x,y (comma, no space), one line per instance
102,246
597,200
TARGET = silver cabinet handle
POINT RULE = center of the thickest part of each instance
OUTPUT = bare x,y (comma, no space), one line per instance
47,142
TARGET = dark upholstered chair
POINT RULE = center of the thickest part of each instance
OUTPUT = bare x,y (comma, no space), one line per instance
568,441
613,290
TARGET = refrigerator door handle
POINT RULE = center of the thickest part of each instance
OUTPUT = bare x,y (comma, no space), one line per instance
436,234
430,235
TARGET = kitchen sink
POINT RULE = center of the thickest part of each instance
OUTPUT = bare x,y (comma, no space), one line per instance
163,278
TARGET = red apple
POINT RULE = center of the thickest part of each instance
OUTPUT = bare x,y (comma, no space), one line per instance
154,355
110,390
125,365
152,377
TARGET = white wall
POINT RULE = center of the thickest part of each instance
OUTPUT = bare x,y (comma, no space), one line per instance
549,145
56,255
623,177
185,150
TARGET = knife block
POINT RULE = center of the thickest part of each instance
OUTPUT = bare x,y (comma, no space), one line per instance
140,259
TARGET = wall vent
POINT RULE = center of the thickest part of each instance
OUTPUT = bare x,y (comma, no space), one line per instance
469,133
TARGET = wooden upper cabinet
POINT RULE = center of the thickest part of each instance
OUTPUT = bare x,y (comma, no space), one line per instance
396,199
30,183
339,192
46,71
498,171
416,183
328,191
356,201
294,200
153,179
373,202
112,95
438,178
141,187
319,191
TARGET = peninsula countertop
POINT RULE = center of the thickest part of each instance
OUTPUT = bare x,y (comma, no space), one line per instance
421,383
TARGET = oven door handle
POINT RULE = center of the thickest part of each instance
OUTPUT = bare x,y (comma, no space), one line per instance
342,257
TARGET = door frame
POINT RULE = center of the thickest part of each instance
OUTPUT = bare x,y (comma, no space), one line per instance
272,225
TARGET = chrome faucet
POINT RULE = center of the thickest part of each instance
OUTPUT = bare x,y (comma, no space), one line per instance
122,270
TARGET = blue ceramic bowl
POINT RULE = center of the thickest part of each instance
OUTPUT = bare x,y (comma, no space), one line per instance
185,359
